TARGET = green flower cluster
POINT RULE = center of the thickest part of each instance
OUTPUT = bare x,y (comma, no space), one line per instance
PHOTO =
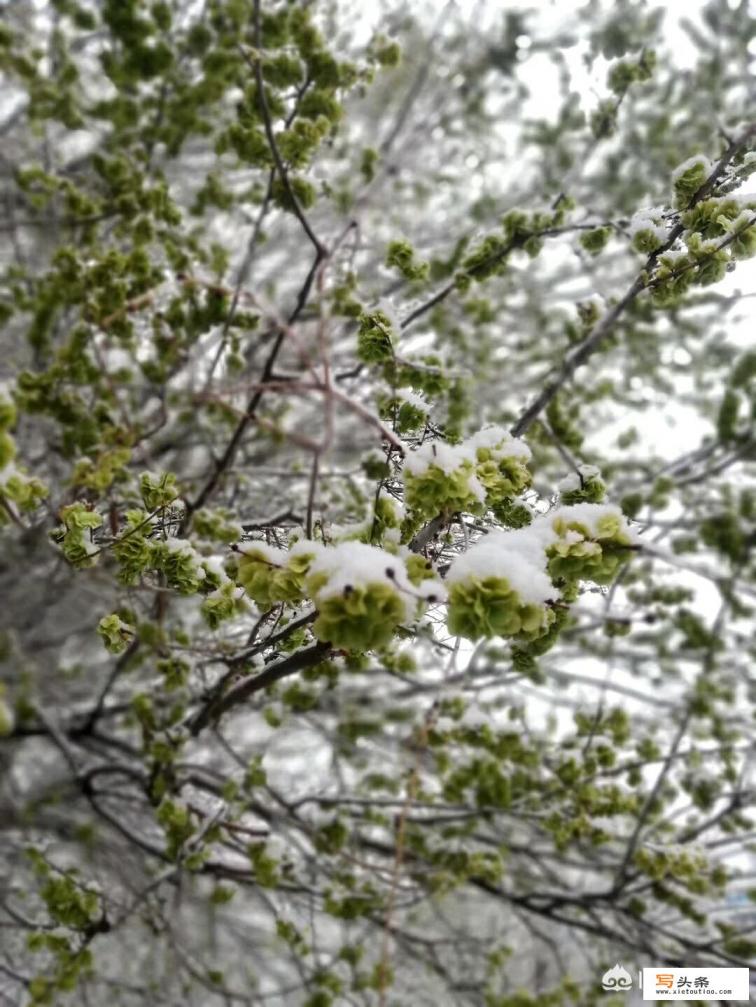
688,178
595,240
490,607
401,255
439,479
419,569
376,337
363,594
501,465
102,471
521,230
182,568
483,472
221,605
15,487
116,634
586,486
588,548
719,231
216,524
626,72
648,236
408,412
724,218
176,559
270,576
74,538
381,528
132,550
157,491
363,618
516,583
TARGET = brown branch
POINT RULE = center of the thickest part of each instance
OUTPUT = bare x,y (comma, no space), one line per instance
518,242
274,672
256,64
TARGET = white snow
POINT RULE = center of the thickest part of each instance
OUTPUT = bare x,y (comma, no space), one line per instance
354,564
182,545
349,530
432,591
500,441
589,515
305,547
743,219
114,358
477,488
412,399
270,554
214,565
572,481
474,717
518,556
447,457
8,472
178,545
674,257
649,220
444,724
450,457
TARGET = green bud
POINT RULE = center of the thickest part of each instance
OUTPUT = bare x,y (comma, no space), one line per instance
595,241
116,633
727,418
688,178
158,491
490,607
376,337
401,256
364,618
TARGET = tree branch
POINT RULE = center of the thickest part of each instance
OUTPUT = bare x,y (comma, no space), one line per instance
604,327
273,673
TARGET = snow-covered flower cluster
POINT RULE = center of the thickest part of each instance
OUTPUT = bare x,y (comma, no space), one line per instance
270,575
484,470
506,583
180,562
378,333
382,527
407,409
584,485
363,582
364,593
115,633
688,177
591,542
500,587
648,230
227,598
